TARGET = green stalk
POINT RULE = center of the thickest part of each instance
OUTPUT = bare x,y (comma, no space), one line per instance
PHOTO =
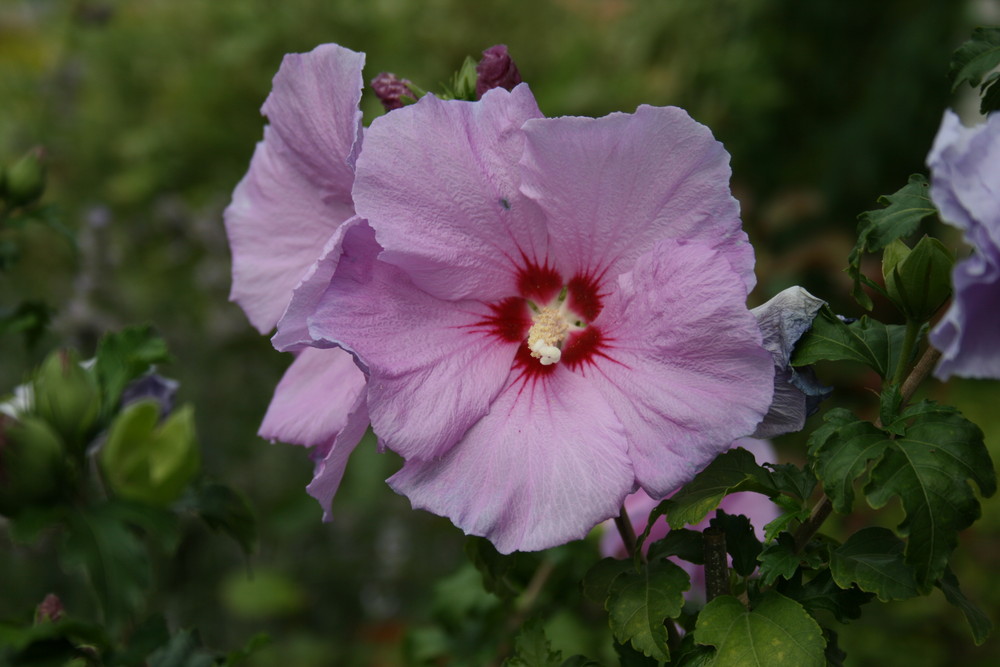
909,340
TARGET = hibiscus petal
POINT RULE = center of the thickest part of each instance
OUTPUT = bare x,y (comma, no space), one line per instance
320,403
546,465
967,335
297,190
685,370
433,369
613,186
439,182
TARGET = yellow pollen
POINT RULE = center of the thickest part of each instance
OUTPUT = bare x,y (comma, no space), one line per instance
547,334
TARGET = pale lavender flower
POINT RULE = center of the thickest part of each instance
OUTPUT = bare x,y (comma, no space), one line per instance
296,194
551,312
965,186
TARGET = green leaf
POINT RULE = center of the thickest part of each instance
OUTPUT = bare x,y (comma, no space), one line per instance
821,592
686,544
600,578
792,480
903,212
779,559
840,450
532,649
124,356
776,633
974,60
640,602
741,542
979,622
929,469
493,566
920,282
835,656
873,559
223,509
114,559
30,318
732,471
867,341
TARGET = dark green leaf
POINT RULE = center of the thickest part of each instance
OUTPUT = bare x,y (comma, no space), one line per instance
920,282
223,509
183,650
778,559
254,644
681,542
834,655
840,450
629,657
30,318
903,212
975,60
532,649
600,579
784,523
890,402
493,566
124,356
929,468
741,542
158,524
776,633
991,94
640,602
579,661
821,592
867,341
150,635
793,480
690,654
114,559
873,559
732,471
979,622
31,522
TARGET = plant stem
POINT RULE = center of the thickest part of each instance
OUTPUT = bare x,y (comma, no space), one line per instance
716,568
626,530
821,510
909,340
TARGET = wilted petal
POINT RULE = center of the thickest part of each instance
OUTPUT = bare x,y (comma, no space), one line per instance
685,370
439,181
546,465
611,187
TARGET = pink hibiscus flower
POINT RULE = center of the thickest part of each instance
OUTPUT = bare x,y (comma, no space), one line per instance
550,312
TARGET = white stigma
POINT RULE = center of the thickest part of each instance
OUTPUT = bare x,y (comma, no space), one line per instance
547,334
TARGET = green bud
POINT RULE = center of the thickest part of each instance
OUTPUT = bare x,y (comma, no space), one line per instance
918,280
34,469
25,179
147,461
67,396
463,84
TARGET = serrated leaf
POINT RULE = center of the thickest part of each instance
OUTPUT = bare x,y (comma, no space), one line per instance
979,622
779,559
600,579
741,543
792,480
974,60
685,544
124,356
778,632
929,468
840,451
821,592
114,559
223,509
732,471
835,656
865,340
492,565
872,558
784,523
532,649
640,602
903,212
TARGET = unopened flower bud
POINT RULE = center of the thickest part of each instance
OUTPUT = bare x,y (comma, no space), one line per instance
50,609
25,179
149,461
391,90
67,397
33,466
918,280
496,70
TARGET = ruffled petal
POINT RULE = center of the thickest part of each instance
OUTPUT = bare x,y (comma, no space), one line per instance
968,334
434,369
320,403
546,465
438,181
613,186
297,190
684,367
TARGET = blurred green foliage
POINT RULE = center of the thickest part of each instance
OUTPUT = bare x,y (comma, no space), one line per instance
148,114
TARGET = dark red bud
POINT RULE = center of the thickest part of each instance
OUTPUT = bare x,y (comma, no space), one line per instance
496,70
390,90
